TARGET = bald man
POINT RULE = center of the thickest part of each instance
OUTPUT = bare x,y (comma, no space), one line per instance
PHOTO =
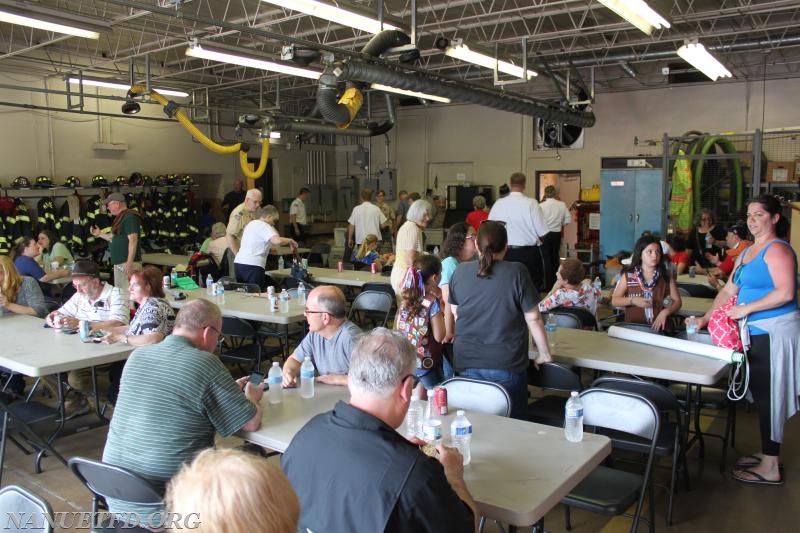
329,341
242,215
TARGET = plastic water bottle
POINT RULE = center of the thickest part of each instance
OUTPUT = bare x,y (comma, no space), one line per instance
275,381
414,417
302,293
432,423
691,328
173,278
648,311
597,285
284,301
461,435
307,378
436,251
281,263
220,296
209,285
550,327
709,240
573,418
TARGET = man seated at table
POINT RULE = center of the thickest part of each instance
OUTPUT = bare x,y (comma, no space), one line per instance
174,396
353,472
329,341
103,306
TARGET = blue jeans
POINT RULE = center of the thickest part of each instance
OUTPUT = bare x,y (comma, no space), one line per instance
515,384
433,376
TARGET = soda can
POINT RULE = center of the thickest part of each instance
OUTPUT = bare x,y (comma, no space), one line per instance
58,321
270,291
440,400
340,267
304,262
273,304
373,268
165,282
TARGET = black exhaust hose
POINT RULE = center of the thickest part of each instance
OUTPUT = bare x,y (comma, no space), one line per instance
305,125
386,125
422,82
327,102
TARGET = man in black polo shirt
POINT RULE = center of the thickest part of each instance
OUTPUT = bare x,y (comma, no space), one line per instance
353,472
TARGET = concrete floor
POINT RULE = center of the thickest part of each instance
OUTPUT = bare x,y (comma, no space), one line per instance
715,503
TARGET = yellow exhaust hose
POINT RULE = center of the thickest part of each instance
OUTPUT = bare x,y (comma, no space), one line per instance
352,99
262,163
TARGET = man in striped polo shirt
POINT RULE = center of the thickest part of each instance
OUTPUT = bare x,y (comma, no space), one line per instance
174,396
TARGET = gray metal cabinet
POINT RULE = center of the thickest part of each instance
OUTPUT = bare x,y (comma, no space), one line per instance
631,201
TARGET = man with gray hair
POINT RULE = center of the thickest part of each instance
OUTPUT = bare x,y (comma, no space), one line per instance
329,341
174,396
375,479
256,240
556,216
240,217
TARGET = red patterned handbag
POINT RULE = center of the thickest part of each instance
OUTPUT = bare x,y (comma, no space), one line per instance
723,329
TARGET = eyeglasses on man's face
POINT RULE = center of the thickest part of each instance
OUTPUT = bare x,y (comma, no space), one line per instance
308,311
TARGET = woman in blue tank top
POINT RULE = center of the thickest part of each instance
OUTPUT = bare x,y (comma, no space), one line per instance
765,283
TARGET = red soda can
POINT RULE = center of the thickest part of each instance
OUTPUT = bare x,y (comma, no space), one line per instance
340,267
440,399
373,268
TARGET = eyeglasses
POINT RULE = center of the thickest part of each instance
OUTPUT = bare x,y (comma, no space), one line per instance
307,311
414,380
134,284
501,222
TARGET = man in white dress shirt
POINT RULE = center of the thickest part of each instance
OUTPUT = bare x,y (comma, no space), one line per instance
556,216
525,226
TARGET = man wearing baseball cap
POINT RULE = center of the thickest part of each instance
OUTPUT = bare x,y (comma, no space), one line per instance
103,306
123,240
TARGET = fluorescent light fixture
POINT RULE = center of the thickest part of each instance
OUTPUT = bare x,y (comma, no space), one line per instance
224,57
274,135
123,87
334,14
696,55
424,96
462,52
638,13
13,18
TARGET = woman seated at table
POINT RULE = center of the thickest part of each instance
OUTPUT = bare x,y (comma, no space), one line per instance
736,241
152,322
570,289
646,291
19,295
706,237
258,236
26,251
55,254
367,253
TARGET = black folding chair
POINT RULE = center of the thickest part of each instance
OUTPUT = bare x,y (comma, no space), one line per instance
549,409
371,306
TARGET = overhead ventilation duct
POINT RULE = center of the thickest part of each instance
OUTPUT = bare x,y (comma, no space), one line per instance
310,125
343,111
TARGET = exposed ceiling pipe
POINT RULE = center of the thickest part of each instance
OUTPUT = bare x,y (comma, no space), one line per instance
463,92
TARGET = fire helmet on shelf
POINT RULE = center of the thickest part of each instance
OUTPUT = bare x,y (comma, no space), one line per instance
43,182
21,182
72,181
99,181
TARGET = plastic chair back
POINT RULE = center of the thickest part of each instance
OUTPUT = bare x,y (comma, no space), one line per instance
621,411
477,395
554,376
109,481
32,511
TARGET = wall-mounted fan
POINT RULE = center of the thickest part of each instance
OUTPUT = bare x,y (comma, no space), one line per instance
550,135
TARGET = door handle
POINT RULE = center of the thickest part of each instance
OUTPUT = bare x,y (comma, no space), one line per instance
630,217
637,217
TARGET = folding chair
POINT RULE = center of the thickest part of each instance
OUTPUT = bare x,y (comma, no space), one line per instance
606,490
108,481
34,513
234,346
18,419
477,395
581,318
549,409
319,254
371,305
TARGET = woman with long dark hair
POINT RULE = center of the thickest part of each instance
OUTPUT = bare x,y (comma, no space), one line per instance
764,281
646,291
458,246
495,305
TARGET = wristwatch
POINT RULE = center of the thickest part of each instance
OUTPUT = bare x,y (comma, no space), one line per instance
126,340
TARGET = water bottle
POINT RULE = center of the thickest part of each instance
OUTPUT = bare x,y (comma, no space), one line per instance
436,251
648,311
432,423
281,263
209,285
173,278
597,285
691,328
550,327
461,435
414,417
573,418
275,381
307,378
220,296
709,240
302,292
284,302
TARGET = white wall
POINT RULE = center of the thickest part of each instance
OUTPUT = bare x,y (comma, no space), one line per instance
58,144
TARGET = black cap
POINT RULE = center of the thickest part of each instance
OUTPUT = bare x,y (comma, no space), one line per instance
739,229
85,268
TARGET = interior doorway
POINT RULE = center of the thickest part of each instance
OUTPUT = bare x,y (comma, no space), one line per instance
568,183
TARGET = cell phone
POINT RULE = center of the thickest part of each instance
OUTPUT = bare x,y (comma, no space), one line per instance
256,378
